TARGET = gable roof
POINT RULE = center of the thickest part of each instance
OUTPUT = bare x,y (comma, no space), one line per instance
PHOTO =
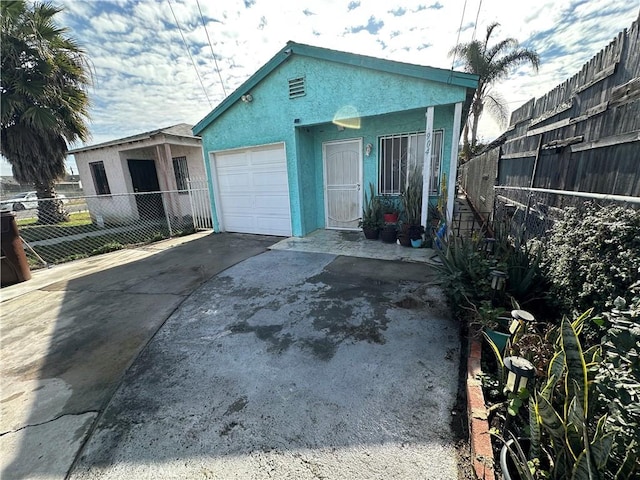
450,77
178,130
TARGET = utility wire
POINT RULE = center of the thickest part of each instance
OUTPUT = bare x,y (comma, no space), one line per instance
188,52
211,46
458,39
476,24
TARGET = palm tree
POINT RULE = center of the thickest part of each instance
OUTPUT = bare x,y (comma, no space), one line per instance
490,64
44,101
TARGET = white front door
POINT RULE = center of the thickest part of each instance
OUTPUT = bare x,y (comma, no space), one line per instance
342,181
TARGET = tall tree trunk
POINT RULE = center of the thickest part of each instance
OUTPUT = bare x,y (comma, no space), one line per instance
50,209
476,108
466,148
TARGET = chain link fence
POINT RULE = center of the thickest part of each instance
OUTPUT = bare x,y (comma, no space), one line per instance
528,213
61,230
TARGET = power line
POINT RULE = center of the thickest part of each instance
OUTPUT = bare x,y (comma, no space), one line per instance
458,39
189,53
475,25
211,46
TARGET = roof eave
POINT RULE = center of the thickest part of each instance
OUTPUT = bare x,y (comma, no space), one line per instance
132,139
252,81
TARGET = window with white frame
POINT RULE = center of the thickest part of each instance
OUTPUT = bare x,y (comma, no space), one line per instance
181,172
398,153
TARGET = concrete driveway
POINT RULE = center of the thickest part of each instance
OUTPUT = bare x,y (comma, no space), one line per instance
70,332
286,365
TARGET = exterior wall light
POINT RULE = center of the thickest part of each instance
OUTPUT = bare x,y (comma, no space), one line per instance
247,98
519,372
490,245
367,149
520,317
498,284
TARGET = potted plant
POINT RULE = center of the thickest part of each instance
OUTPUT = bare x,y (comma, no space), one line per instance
371,221
403,234
434,216
389,233
389,209
415,233
412,206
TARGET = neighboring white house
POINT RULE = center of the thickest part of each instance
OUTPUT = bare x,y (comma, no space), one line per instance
162,160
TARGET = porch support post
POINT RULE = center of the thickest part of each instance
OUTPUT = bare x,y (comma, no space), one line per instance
453,171
426,166
166,177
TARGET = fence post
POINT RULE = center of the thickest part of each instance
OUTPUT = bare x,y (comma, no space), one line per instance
193,210
166,214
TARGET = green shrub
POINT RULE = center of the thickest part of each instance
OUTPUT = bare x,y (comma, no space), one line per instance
593,256
618,385
465,269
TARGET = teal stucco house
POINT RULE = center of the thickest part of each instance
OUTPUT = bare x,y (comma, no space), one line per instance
295,147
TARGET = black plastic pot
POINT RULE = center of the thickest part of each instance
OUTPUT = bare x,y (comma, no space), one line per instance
389,234
371,233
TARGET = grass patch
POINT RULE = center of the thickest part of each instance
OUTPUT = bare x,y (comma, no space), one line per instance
89,246
75,219
79,222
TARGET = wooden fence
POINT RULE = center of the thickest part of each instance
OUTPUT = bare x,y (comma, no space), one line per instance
580,139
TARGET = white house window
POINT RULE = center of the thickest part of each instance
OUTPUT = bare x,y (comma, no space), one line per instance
398,153
100,181
181,171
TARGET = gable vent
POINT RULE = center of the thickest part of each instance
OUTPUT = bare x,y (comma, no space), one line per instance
296,87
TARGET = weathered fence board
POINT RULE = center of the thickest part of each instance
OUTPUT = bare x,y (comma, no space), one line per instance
582,136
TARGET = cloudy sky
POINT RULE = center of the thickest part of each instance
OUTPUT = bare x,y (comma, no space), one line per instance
144,77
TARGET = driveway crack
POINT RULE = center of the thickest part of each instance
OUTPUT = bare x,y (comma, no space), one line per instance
58,417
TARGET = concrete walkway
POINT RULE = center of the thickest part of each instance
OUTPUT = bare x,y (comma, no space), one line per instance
286,365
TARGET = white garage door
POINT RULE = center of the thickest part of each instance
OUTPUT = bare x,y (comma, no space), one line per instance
253,190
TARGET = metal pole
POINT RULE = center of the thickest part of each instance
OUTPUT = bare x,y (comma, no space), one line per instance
193,210
597,196
166,214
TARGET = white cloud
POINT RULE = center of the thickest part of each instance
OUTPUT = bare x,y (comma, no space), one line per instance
144,78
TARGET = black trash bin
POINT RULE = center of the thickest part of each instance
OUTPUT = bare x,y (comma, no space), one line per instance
14,268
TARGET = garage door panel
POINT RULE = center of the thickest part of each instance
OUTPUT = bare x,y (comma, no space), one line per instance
239,203
232,182
268,156
272,202
232,160
253,190
278,226
268,180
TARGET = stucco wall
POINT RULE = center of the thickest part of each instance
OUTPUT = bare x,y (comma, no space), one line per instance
371,129
116,207
273,117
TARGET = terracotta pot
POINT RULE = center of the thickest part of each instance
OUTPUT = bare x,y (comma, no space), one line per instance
390,217
405,241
